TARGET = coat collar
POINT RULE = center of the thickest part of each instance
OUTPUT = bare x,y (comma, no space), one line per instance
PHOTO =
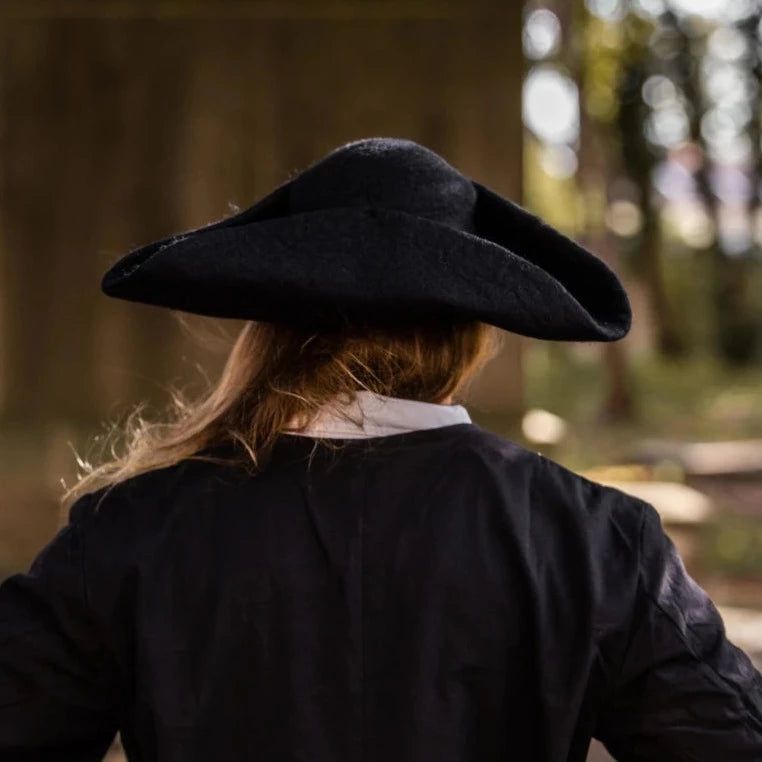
375,415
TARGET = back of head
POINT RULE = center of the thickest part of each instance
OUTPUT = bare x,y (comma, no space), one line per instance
278,377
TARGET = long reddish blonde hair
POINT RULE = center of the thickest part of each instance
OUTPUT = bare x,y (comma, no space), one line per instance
278,377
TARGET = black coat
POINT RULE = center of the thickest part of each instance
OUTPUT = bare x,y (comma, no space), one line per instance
440,595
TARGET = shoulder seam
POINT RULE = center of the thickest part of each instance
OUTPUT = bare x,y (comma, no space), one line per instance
739,696
638,587
80,510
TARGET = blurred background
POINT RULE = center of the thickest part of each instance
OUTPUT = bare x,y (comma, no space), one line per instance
632,125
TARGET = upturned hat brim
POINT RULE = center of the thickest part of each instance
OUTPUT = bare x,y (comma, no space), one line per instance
368,264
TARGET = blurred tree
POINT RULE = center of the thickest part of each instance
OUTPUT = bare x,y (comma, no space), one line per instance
667,157
600,59
578,59
639,160
736,324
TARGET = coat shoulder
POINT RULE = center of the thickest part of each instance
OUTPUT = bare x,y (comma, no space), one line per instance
130,511
554,488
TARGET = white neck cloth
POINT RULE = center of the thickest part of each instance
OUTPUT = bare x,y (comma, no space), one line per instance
374,415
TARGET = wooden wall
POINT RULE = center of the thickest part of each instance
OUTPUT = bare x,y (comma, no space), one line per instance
123,121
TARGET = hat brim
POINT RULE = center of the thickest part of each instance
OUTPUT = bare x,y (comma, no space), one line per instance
370,265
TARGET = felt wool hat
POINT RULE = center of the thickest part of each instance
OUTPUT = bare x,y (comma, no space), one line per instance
378,231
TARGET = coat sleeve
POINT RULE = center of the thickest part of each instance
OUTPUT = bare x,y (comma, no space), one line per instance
57,696
684,692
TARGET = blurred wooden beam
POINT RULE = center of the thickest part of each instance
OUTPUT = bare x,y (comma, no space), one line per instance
251,9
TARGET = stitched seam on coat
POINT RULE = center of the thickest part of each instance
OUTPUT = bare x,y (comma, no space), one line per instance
723,681
85,513
534,474
87,502
630,628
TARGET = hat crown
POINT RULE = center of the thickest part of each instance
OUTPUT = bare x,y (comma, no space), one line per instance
381,231
389,173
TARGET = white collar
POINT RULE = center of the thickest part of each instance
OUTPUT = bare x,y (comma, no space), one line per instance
374,415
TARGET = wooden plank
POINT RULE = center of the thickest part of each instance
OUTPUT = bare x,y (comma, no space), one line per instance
706,458
678,504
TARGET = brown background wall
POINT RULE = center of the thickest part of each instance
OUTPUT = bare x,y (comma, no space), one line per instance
121,122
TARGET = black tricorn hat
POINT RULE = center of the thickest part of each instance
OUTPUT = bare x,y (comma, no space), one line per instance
381,230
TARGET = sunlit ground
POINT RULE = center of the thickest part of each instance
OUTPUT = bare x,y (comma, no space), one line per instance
690,400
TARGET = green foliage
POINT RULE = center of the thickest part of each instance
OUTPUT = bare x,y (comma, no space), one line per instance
603,51
556,200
